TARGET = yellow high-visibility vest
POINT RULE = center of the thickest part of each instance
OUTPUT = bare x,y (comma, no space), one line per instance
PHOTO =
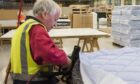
23,67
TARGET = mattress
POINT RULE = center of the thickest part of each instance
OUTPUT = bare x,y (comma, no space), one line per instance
126,10
123,65
126,25
131,36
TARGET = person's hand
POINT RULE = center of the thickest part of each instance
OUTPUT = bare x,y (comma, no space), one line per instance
68,63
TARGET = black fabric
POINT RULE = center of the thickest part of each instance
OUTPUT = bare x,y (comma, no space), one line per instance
49,81
76,75
31,17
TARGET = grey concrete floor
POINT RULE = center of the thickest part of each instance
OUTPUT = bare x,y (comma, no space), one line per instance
68,44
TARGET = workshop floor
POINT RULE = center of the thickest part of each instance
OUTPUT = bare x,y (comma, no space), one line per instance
68,44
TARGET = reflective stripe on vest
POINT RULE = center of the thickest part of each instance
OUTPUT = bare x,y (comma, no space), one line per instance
26,77
23,50
25,74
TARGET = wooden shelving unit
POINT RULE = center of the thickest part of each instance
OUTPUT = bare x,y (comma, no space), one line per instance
0,30
108,16
79,10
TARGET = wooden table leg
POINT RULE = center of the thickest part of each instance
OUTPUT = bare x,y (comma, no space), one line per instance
91,44
85,44
97,45
83,47
1,42
59,42
78,42
94,44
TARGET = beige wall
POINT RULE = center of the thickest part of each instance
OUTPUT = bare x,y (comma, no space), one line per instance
66,11
133,2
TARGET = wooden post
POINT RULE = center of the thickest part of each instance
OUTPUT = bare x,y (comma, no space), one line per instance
122,2
133,2
7,72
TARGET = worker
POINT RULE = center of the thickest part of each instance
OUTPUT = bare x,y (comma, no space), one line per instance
32,50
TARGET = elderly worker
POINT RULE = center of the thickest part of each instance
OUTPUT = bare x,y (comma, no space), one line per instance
32,48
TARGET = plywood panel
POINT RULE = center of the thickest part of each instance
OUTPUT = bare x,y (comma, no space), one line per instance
82,21
8,14
77,21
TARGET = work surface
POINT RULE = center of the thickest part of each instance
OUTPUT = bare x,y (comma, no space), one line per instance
87,34
8,23
65,33
76,32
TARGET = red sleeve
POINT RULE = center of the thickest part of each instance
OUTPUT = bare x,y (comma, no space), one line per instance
43,48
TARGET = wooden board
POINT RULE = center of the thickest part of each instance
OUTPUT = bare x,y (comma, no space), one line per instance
8,14
82,21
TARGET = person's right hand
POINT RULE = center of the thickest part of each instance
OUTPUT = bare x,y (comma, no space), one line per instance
68,63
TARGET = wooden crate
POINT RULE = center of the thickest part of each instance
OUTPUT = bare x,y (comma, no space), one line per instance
80,9
109,15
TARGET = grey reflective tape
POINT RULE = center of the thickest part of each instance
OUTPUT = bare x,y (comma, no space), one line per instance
23,57
26,77
23,52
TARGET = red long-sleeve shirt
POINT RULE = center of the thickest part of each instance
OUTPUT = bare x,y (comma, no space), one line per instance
43,48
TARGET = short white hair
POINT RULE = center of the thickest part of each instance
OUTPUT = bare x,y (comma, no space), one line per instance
48,6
